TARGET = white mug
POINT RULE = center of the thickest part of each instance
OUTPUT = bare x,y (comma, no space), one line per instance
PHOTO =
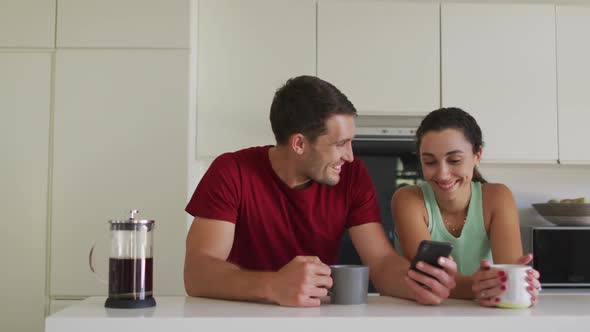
516,295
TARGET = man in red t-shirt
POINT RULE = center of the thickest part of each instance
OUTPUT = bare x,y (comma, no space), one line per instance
269,219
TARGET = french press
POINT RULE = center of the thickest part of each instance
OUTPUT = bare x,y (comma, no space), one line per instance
131,263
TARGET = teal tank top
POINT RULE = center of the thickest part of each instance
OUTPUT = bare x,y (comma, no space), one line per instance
473,244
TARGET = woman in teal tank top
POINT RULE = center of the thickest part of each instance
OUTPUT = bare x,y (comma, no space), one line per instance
458,206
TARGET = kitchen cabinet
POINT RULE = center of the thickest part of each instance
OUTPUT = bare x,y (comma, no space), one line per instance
27,23
498,63
385,56
120,143
25,90
246,51
573,81
127,23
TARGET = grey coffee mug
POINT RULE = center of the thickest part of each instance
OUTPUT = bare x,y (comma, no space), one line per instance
351,284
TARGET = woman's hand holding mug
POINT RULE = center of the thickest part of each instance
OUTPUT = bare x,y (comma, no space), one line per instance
508,285
488,284
532,278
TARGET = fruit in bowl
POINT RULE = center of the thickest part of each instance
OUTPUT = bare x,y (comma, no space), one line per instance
580,200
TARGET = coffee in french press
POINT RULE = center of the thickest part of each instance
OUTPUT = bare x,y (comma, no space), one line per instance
131,263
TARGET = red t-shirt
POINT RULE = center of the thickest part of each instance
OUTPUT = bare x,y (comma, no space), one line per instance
275,223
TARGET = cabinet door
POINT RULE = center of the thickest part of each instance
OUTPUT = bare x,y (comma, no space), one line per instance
498,63
120,143
246,51
25,85
383,56
127,23
27,23
573,64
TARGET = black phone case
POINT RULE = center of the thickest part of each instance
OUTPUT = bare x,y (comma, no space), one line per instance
430,251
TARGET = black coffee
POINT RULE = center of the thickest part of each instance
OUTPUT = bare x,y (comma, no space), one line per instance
130,278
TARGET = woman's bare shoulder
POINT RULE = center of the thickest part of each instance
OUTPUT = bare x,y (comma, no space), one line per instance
408,194
495,188
407,204
496,194
408,197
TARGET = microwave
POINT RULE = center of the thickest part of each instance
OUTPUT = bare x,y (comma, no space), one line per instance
562,255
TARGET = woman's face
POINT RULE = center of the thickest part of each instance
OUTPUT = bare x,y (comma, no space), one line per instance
448,161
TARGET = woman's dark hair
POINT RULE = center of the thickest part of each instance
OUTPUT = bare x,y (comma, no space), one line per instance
453,118
303,104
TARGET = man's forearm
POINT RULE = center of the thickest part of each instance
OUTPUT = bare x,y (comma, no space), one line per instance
206,276
388,276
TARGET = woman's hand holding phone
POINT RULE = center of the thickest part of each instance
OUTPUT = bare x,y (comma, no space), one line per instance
430,251
432,274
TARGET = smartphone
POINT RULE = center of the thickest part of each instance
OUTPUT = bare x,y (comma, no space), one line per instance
430,251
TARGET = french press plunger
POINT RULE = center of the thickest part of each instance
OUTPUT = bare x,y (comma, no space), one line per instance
131,263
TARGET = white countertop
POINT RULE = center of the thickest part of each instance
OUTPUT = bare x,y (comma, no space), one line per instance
564,312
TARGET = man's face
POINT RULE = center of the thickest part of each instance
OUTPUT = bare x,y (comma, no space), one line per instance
448,161
324,159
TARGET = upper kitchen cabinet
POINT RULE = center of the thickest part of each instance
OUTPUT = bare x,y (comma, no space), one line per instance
498,63
123,23
246,51
384,56
120,143
573,63
27,23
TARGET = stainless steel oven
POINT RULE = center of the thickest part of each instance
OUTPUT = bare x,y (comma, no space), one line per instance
562,255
